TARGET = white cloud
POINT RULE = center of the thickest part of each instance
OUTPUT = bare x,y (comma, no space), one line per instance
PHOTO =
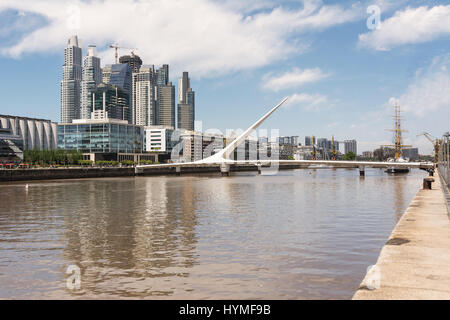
429,93
205,37
409,26
292,79
310,102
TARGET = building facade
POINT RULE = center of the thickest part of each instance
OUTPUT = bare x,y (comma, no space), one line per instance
158,139
350,146
166,106
120,76
71,81
186,103
133,61
110,102
92,77
144,97
36,134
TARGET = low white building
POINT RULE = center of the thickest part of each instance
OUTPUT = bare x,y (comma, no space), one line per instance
158,139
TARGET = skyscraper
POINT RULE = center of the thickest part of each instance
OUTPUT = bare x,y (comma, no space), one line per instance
350,145
144,97
166,112
110,102
186,103
133,61
92,77
120,76
71,82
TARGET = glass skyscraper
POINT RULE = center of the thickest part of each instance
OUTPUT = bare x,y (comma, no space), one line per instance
92,77
186,103
71,82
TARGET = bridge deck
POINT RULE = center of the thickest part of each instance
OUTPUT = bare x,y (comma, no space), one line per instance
416,264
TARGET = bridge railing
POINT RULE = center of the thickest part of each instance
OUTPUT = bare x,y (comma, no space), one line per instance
444,158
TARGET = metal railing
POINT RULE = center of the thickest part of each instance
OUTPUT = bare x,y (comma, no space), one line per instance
444,158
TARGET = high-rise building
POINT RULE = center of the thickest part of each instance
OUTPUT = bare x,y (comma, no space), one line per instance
71,81
350,145
308,141
120,76
166,106
110,102
186,103
162,75
144,97
133,61
92,77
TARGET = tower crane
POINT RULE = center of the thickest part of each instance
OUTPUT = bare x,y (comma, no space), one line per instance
116,46
434,141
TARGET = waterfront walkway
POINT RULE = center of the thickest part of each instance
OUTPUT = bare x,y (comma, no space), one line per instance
415,262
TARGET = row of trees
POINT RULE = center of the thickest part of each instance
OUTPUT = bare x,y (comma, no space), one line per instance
52,157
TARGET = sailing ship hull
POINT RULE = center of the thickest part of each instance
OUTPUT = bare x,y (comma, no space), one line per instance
397,170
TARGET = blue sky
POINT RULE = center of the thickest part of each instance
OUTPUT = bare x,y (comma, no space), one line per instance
244,57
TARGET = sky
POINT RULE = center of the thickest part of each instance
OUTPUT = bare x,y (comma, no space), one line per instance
343,64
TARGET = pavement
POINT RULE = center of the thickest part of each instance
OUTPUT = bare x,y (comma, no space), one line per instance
415,262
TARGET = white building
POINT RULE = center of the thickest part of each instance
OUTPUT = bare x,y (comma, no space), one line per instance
144,100
36,133
158,139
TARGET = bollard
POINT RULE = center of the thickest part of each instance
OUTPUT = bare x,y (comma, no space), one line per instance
178,171
427,183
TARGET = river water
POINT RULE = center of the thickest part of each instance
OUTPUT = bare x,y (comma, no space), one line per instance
300,234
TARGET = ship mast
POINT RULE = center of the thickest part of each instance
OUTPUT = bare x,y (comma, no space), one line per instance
398,141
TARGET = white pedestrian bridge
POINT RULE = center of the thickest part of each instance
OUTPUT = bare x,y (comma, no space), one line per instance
223,161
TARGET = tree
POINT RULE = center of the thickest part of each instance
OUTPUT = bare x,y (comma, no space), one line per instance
350,156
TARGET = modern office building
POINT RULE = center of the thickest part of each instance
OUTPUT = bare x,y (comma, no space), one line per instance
166,106
158,139
111,102
104,139
92,77
350,146
36,134
11,147
144,97
186,103
196,145
162,75
308,141
71,81
120,75
133,61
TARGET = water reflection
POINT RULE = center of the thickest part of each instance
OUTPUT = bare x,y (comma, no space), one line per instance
299,234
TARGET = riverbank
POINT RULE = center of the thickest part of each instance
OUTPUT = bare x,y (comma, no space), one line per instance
415,262
104,172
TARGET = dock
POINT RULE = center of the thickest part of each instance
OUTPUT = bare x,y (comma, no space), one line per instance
415,261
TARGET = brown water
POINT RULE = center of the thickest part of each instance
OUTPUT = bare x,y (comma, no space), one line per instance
302,234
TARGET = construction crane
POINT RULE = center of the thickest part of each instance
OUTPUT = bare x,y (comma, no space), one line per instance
435,142
116,55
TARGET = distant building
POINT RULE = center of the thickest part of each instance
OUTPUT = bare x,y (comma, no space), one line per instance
133,61
120,75
166,106
350,146
71,81
308,141
303,153
186,103
199,145
411,153
288,140
92,77
111,102
18,134
367,154
144,97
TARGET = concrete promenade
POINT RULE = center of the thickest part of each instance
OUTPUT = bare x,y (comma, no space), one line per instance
415,262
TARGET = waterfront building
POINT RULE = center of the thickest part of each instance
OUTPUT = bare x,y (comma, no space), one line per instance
158,139
144,97
71,81
92,77
36,134
303,153
11,146
198,145
350,146
186,103
110,102
104,139
133,61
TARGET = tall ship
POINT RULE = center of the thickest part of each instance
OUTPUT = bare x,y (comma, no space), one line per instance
398,143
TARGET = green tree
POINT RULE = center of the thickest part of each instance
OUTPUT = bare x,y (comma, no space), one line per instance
350,156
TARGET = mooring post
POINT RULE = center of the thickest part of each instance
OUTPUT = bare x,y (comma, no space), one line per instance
427,183
178,171
225,169
362,172
259,169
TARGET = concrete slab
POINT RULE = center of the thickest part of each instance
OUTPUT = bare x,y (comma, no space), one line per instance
415,262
